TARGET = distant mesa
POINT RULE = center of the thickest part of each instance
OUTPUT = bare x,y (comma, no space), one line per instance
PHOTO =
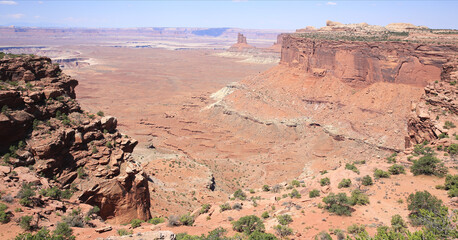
241,44
364,27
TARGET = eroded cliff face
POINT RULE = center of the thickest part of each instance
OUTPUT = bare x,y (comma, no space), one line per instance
44,128
361,63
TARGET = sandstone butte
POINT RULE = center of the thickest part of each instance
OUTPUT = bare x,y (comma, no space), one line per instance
334,99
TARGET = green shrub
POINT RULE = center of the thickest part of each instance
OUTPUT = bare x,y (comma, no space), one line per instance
224,207
352,167
295,183
205,208
63,231
187,219
449,125
398,224
428,165
396,169
345,183
295,194
25,194
422,200
314,193
44,234
124,232
283,231
257,235
378,173
325,181
356,229
248,224
25,222
452,149
323,236
451,184
367,180
100,113
265,188
240,194
443,135
284,219
54,192
358,198
156,220
135,223
5,217
338,204
392,158
265,215
81,173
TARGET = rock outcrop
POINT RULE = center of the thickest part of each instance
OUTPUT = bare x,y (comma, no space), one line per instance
43,127
241,44
362,63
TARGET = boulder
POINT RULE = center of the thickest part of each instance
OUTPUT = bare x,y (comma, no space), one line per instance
109,123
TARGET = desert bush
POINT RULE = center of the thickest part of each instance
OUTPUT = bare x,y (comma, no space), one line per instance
276,188
265,215
205,208
453,148
94,210
284,219
81,173
265,188
74,219
25,194
135,223
100,113
8,198
187,219
398,224
25,222
392,158
257,235
378,173
295,194
356,229
4,216
396,169
240,194
44,234
449,125
323,236
63,231
325,181
422,200
367,180
351,167
358,198
283,231
295,183
314,193
338,204
124,232
345,183
248,224
428,165
156,220
451,184
56,193
224,207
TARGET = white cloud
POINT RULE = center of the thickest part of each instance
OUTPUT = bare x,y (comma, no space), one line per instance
40,2
331,3
15,16
8,2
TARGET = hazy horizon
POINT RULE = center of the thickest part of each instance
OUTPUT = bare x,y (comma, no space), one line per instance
284,15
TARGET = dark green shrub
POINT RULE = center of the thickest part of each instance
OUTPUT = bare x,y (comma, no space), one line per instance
265,215
265,188
367,180
25,222
352,167
44,234
428,165
396,169
187,219
248,224
453,148
5,217
100,113
356,229
205,208
392,158
257,235
338,204
240,194
451,184
422,200
295,194
325,181
314,193
378,173
345,183
398,224
358,198
25,194
283,231
63,231
284,219
94,210
449,125
295,183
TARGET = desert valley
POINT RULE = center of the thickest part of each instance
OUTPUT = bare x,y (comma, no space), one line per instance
347,131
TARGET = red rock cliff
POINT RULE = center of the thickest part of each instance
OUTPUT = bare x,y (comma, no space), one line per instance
363,63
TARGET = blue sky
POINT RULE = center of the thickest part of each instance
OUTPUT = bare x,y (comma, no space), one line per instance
242,14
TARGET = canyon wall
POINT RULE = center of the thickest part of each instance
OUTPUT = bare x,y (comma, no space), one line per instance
361,63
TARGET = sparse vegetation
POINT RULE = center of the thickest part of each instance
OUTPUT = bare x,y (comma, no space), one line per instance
314,193
25,222
265,215
239,194
224,207
448,125
358,198
135,223
25,194
100,113
284,219
205,208
295,194
428,165
378,173
283,231
345,183
352,167
451,185
396,169
124,232
422,200
187,219
156,220
248,225
265,188
367,180
338,204
325,181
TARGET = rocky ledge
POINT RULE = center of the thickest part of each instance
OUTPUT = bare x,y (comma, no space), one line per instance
42,127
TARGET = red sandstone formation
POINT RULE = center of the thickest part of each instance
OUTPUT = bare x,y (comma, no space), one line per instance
241,44
61,142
